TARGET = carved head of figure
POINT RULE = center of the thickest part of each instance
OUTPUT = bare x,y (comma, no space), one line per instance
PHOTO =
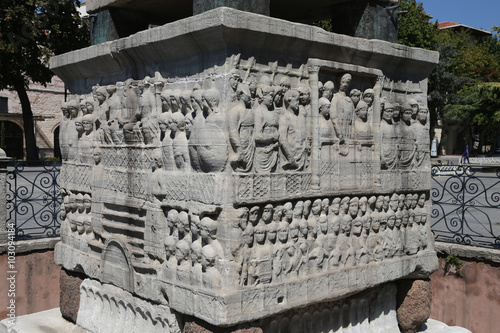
163,122
175,100
304,94
379,203
363,205
170,246
272,230
355,96
185,99
172,218
183,219
368,96
393,203
72,202
401,201
267,96
328,90
211,99
260,234
422,115
325,204
89,105
294,230
241,218
414,200
367,223
357,226
267,213
298,210
197,99
208,256
87,202
182,251
196,250
292,100
334,225
345,82
362,111
407,112
324,107
83,105
371,203
64,110
285,84
100,95
335,207
303,228
88,123
391,220
316,207
278,95
165,100
408,200
208,228
252,85
354,207
195,225
344,205
234,79
323,224
253,217
421,200
414,107
396,113
399,219
248,237
383,221
73,108
312,228
97,155
79,125
243,94
346,226
283,232
387,112
288,212
79,203
307,209
385,206
376,222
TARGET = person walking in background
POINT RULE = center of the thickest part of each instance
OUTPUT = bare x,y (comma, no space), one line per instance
466,154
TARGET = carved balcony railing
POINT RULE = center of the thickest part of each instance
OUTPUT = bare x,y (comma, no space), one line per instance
33,199
465,205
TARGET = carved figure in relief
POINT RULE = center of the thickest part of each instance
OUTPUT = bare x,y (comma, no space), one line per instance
236,234
369,96
86,142
252,86
355,95
209,236
342,108
179,142
113,129
82,106
374,241
260,262
348,253
396,113
198,124
248,240
147,116
80,218
212,278
184,229
131,133
240,121
388,140
361,253
65,131
172,217
385,205
266,133
313,222
304,100
234,80
407,139
282,260
293,134
166,146
74,130
326,127
331,248
412,236
415,108
421,137
196,269
362,128
212,145
327,91
183,270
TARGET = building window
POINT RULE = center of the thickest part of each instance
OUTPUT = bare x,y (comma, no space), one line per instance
3,105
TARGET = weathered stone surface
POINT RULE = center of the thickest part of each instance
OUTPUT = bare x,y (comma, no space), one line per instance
414,304
70,294
248,179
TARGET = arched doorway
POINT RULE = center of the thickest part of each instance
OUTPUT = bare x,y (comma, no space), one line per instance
11,139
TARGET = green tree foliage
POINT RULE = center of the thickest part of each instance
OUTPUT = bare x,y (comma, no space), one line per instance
30,32
414,28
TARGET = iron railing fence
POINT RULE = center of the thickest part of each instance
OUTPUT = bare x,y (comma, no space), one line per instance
34,199
465,202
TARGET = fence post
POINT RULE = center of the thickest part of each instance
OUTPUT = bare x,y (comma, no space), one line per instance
4,160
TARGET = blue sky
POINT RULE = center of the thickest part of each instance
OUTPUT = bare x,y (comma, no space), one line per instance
475,13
